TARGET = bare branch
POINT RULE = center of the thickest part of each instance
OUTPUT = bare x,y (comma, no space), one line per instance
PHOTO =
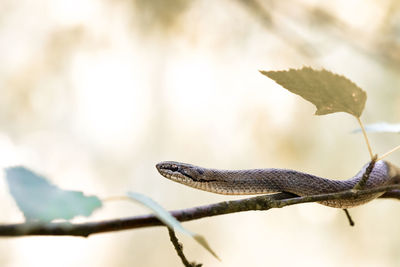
351,222
264,202
178,247
364,179
360,185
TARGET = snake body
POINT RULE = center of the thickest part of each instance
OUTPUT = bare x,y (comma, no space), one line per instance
264,181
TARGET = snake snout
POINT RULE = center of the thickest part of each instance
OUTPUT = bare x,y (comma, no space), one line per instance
167,168
174,170
182,172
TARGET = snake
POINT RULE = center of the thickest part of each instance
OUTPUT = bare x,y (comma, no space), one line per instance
272,180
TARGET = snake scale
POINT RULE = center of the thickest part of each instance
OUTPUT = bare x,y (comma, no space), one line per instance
264,181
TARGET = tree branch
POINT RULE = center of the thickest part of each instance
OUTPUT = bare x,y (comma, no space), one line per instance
178,247
264,202
351,222
364,179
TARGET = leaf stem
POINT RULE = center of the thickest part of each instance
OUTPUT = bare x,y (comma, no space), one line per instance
366,138
389,152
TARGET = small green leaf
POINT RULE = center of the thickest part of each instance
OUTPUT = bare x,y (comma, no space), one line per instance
381,127
329,92
39,200
164,216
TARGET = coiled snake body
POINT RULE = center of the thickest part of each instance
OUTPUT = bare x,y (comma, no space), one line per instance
263,181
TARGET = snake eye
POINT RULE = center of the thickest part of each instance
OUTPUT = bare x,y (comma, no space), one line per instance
174,168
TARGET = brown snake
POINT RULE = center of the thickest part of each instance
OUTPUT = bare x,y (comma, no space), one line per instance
262,181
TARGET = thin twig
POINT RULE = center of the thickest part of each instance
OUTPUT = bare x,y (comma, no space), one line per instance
265,202
351,222
389,152
178,247
366,138
360,185
364,179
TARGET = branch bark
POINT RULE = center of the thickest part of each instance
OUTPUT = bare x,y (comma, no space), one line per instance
179,250
264,202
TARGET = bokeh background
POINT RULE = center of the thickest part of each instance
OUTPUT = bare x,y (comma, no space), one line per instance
94,93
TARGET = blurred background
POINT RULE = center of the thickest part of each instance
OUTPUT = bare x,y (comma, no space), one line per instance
94,93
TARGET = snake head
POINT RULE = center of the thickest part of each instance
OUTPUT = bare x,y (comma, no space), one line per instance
182,172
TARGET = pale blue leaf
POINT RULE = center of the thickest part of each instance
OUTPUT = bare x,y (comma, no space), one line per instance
39,200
